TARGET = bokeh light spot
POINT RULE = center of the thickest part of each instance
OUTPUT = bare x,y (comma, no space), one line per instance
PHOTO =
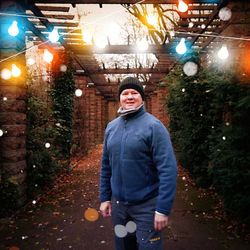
120,231
91,214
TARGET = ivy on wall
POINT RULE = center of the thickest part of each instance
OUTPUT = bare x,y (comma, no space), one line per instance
209,123
50,121
62,94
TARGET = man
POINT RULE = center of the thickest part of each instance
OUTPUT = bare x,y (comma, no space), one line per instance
138,173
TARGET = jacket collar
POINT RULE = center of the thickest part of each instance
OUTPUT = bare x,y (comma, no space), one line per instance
136,114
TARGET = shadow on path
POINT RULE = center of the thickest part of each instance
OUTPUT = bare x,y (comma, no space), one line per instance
57,222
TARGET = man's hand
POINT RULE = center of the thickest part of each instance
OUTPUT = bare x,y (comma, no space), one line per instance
160,221
105,208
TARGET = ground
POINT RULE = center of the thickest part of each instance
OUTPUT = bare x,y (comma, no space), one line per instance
57,220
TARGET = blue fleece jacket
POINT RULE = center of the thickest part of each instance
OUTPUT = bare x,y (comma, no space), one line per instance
138,162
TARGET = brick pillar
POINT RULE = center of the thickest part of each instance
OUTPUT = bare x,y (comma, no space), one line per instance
13,102
92,117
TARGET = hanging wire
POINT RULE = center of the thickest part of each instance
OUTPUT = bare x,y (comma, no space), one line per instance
110,14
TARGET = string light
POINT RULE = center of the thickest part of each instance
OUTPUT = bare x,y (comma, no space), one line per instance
30,61
87,36
152,19
13,29
182,6
47,56
6,74
223,52
54,36
181,47
15,71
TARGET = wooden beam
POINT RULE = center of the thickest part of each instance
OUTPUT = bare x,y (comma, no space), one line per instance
126,71
119,49
53,8
117,1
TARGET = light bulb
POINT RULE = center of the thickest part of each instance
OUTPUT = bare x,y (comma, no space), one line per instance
30,61
13,29
87,36
47,56
142,45
181,47
182,6
223,53
54,36
15,71
101,42
6,74
152,19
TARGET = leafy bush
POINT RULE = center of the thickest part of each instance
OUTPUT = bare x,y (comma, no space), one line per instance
209,123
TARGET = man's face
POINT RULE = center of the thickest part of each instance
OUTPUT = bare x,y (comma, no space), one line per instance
130,99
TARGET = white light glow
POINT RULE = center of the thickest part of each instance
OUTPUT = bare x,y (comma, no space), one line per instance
190,68
182,6
1,132
47,56
101,42
47,145
6,74
13,29
152,19
223,53
30,61
142,45
181,47
78,92
225,14
87,36
15,71
191,25
54,36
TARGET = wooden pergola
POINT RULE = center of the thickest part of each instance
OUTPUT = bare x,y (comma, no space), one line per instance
202,13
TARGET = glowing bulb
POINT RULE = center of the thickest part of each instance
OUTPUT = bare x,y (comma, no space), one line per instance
142,45
6,74
30,61
87,37
78,92
15,71
47,56
47,145
101,42
13,29
1,132
54,36
223,53
182,6
152,19
191,25
181,47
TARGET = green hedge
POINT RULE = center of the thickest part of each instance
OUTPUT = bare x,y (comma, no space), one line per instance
209,123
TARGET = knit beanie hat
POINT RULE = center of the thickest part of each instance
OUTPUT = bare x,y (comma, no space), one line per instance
131,83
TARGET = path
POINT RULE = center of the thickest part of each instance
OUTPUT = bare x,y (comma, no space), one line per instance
57,222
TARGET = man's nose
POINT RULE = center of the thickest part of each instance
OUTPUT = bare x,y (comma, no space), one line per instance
130,96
